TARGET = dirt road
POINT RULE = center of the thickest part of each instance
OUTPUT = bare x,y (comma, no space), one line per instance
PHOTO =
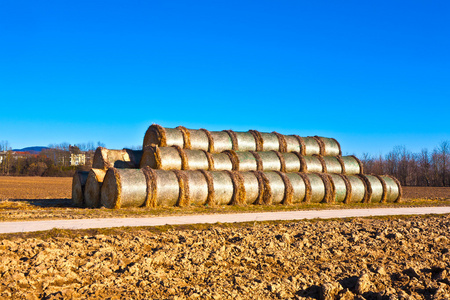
11,227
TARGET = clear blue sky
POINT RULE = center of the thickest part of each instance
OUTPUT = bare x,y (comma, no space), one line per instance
372,74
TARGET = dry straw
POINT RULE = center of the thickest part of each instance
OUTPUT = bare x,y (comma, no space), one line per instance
78,185
93,186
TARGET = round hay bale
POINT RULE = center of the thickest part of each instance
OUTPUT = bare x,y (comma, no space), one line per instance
270,161
292,143
377,188
339,187
277,187
288,189
368,194
312,164
251,186
352,165
108,158
238,188
331,147
317,187
210,159
223,187
151,178
222,161
210,140
332,164
281,142
246,141
298,187
270,141
322,162
183,183
157,135
260,199
234,141
358,189
329,188
292,162
162,158
308,186
258,139
301,143
383,183
210,200
282,161
198,187
321,144
167,188
186,137
199,139
123,188
197,160
221,141
259,165
233,158
393,189
246,161
78,186
311,146
94,183
341,162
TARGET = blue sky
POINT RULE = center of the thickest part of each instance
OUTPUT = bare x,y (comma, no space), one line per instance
371,74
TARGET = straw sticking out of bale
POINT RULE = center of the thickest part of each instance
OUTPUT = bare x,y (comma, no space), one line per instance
340,188
259,164
358,189
288,189
328,196
234,140
258,139
368,192
321,145
331,147
383,183
210,200
259,200
78,186
186,137
233,158
210,140
302,144
238,188
308,187
150,177
183,182
322,162
93,186
282,161
281,142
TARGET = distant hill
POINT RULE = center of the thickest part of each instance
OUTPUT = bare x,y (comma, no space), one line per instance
32,150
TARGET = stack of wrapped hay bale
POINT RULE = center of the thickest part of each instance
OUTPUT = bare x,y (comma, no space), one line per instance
180,167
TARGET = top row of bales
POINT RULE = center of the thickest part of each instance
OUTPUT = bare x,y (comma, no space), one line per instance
252,140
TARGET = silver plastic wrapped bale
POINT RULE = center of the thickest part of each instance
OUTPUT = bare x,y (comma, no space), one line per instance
221,141
198,187
312,146
124,188
270,141
270,160
157,135
222,161
292,143
312,164
292,162
301,189
78,186
162,158
223,187
109,158
393,188
352,165
251,186
331,147
167,188
246,161
332,164
340,185
358,189
317,187
377,188
245,141
93,186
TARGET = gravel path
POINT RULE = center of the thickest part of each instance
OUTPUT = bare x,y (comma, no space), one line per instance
28,226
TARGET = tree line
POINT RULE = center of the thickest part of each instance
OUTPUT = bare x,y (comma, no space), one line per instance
426,168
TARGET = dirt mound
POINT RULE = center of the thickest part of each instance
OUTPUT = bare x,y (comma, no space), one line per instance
365,258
